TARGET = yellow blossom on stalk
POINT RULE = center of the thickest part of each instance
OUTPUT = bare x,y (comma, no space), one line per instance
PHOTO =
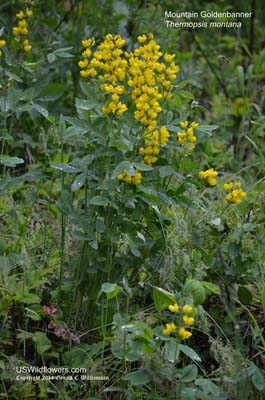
186,137
170,327
184,124
236,194
142,39
29,13
153,140
88,43
184,334
1,53
21,28
26,46
149,79
228,186
188,320
209,175
173,307
108,63
20,14
187,309
2,43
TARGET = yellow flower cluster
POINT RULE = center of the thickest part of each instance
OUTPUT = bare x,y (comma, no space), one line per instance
144,74
132,180
187,318
236,193
152,141
2,44
22,28
108,63
187,137
149,79
209,175
86,69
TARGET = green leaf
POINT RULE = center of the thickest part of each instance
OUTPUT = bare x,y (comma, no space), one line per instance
196,289
212,287
98,201
13,76
78,182
40,110
85,104
189,373
117,350
70,169
100,226
208,386
207,128
258,380
143,167
83,236
185,94
52,92
122,166
42,342
139,377
111,290
189,352
51,58
171,350
162,298
10,161
246,372
166,171
245,295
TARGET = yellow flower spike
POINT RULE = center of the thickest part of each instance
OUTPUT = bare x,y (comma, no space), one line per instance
187,309
184,334
20,14
173,307
1,53
170,327
188,320
2,43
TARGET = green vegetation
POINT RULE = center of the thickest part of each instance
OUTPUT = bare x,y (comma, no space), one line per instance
131,202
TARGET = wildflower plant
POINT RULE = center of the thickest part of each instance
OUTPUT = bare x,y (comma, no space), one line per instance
142,79
236,193
185,317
